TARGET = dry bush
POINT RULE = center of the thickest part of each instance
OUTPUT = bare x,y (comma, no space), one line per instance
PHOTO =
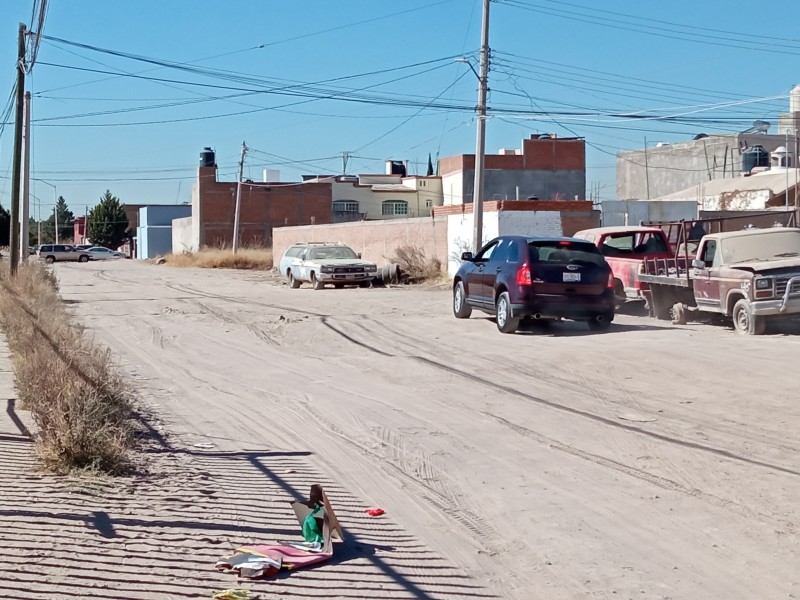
221,258
415,266
75,393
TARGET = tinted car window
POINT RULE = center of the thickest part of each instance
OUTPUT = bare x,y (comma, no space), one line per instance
501,252
564,252
487,252
513,252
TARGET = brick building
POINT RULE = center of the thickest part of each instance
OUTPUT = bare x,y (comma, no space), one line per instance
263,206
546,168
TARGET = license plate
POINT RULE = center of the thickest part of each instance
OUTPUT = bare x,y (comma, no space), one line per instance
572,276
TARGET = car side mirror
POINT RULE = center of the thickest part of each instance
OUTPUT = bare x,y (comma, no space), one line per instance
698,264
467,256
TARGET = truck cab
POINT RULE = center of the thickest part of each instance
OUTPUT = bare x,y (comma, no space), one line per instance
625,250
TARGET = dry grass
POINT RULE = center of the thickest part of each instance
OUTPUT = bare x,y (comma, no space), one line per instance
75,393
221,258
415,266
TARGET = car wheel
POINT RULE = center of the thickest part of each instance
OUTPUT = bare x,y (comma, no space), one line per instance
600,323
506,323
50,259
83,258
364,284
744,321
293,283
461,309
316,283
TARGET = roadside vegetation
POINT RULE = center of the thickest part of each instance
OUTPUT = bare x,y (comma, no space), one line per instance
75,393
416,267
256,259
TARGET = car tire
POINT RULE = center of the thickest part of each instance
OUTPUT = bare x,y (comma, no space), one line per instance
49,259
316,283
506,323
83,258
744,321
604,324
461,309
364,284
293,283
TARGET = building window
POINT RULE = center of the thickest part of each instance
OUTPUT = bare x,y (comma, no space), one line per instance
394,207
428,203
345,206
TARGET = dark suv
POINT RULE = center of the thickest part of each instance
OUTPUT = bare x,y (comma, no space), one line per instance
518,277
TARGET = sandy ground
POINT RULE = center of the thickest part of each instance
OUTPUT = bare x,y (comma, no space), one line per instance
649,462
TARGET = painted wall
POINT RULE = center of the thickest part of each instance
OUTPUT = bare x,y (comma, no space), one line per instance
632,212
152,241
420,193
183,236
163,215
375,240
674,167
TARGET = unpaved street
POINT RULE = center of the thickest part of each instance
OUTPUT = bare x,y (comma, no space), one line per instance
647,462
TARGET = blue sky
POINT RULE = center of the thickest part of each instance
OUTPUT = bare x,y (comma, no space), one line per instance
241,72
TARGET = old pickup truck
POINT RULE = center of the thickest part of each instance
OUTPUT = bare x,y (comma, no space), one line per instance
625,249
751,276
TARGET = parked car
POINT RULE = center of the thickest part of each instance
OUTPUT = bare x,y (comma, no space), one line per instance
101,253
625,249
51,253
751,276
516,278
320,263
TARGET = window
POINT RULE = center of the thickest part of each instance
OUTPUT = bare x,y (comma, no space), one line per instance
501,253
709,252
563,252
486,254
345,206
513,252
394,207
428,203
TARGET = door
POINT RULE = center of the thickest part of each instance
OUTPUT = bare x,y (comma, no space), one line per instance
494,268
476,280
706,280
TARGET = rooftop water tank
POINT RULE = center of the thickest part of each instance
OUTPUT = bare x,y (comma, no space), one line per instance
794,99
207,158
754,156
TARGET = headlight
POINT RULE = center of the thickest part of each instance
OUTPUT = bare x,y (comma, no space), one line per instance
371,268
764,284
327,269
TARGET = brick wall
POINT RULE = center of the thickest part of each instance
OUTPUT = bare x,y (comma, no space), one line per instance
375,240
263,207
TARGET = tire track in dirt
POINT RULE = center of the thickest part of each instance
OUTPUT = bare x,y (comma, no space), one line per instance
435,364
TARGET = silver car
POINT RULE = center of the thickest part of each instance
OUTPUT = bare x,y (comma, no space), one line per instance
325,263
51,253
101,253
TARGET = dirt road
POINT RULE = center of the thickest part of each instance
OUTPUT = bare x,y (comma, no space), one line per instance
647,462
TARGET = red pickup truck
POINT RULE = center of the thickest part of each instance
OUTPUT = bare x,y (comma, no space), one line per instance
625,250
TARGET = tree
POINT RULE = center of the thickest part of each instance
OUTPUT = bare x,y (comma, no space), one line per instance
108,223
66,228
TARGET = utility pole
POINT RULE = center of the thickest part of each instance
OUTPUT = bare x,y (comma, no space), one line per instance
238,201
24,240
55,219
480,142
15,186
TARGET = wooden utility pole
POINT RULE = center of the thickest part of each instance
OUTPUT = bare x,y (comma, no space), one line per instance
17,168
480,142
24,240
238,201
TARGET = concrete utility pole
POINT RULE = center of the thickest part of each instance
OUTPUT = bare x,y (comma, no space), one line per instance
238,201
55,219
24,239
17,168
480,142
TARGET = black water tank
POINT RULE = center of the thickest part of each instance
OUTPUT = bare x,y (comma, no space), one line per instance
207,158
754,156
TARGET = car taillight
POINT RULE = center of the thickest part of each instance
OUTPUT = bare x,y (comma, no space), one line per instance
524,275
610,281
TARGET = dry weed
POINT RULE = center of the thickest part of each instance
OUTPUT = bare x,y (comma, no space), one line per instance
75,393
221,258
415,266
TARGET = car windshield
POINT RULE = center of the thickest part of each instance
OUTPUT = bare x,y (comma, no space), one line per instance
565,252
331,252
764,246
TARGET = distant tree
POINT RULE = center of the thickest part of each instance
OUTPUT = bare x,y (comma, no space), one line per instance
108,222
5,227
66,229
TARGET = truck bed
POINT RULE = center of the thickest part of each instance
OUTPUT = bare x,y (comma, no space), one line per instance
666,271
